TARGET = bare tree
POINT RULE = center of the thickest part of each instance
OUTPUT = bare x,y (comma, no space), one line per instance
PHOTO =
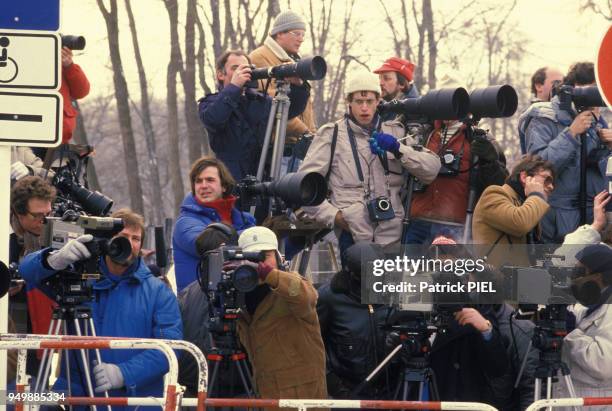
603,11
123,106
174,66
147,124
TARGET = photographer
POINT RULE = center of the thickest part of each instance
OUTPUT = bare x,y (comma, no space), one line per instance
280,327
364,163
396,82
554,134
588,347
510,214
287,34
237,115
210,201
128,302
542,83
25,163
352,332
74,86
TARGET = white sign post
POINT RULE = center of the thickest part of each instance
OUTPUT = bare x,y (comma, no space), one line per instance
30,115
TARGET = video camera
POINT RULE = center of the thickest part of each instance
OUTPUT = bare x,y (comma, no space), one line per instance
73,42
582,97
312,68
294,189
71,285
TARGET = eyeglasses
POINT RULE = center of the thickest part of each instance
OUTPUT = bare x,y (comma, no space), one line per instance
39,216
298,34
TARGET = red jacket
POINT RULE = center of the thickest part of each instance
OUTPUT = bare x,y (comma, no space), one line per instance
74,86
445,199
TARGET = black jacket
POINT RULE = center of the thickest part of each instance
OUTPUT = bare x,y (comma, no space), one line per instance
516,339
353,336
463,362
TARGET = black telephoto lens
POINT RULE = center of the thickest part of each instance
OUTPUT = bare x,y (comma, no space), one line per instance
493,101
73,42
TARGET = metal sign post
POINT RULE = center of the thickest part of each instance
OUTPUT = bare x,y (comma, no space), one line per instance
30,102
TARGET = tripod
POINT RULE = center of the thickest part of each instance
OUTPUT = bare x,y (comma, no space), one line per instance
65,316
548,338
227,354
416,374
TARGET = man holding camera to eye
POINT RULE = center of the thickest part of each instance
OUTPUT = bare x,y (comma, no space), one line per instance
236,116
210,201
282,46
128,302
554,133
364,162
279,326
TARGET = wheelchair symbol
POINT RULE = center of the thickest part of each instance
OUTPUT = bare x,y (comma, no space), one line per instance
8,66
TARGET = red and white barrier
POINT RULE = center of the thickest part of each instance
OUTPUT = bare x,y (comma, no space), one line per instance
570,402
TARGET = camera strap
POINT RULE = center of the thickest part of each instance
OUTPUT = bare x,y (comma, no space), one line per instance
332,152
353,142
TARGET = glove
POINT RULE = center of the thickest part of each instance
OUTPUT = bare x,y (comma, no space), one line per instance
19,170
263,270
75,250
108,377
384,142
484,149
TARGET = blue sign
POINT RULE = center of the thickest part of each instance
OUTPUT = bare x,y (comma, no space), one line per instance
30,15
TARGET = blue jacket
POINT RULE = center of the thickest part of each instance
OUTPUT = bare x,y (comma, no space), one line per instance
236,124
192,220
135,304
545,128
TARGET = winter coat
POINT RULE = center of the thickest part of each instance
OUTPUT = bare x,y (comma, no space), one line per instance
192,220
236,124
33,163
516,339
546,130
272,54
353,335
74,86
347,191
464,362
500,219
283,339
135,304
445,200
587,351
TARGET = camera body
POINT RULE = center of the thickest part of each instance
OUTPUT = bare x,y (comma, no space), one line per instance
450,162
71,286
242,278
582,97
380,209
73,196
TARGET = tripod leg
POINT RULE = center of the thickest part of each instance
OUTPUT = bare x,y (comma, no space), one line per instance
47,356
267,139
433,387
92,330
85,360
537,389
245,383
570,387
549,390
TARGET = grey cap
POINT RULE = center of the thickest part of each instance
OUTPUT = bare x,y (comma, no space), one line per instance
287,20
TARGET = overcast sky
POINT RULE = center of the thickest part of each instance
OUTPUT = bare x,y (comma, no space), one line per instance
557,36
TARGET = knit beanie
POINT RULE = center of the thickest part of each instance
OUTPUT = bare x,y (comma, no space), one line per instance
287,20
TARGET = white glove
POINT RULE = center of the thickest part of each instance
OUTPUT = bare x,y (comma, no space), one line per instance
108,377
74,250
19,170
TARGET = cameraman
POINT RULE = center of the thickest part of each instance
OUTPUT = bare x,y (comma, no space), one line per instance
510,214
364,164
396,81
588,347
352,331
554,134
128,302
280,327
237,115
210,201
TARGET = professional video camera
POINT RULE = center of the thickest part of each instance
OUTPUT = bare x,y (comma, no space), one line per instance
226,288
294,189
443,104
73,42
582,97
311,68
540,284
70,286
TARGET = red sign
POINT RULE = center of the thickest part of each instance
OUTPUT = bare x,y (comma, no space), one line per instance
603,72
